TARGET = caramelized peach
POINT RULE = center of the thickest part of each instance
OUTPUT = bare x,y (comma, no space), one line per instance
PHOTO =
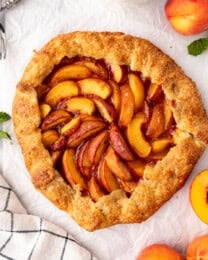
117,72
49,137
59,144
199,195
56,156
159,252
55,118
70,127
68,72
94,86
106,177
70,170
160,145
136,138
168,114
63,90
81,105
45,109
119,144
198,249
154,92
117,167
116,95
127,106
137,167
95,190
83,161
128,186
137,88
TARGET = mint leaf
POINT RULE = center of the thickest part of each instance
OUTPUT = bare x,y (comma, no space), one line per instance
4,135
198,46
4,117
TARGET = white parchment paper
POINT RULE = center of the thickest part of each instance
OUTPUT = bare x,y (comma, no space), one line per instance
29,26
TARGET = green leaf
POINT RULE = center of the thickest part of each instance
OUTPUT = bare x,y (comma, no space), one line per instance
4,135
198,46
4,117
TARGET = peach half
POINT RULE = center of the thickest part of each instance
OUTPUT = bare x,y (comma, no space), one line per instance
159,252
198,249
199,195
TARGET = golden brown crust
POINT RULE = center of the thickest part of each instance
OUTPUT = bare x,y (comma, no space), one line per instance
161,181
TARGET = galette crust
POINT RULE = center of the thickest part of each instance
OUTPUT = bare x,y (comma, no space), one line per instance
161,181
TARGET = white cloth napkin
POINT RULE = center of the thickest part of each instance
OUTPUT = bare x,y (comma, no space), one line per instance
24,236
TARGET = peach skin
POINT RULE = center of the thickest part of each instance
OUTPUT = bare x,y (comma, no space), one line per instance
198,249
187,17
159,252
199,195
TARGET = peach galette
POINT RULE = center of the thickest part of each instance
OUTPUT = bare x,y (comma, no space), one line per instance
109,126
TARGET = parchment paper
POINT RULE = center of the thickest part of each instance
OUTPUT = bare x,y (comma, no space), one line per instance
29,26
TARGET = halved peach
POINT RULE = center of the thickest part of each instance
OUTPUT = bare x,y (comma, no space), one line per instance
159,252
116,95
95,189
45,109
95,67
154,92
62,90
94,86
119,144
49,137
83,159
106,110
160,144
127,106
81,105
199,195
136,137
117,72
117,167
55,118
70,127
106,177
137,88
86,129
137,167
128,186
70,170
198,248
68,72
97,147
157,122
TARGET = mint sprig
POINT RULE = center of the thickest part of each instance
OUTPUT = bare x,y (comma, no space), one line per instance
3,118
198,46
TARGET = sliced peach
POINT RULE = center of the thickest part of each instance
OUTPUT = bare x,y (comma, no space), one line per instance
161,144
154,157
49,137
86,129
85,118
106,177
70,170
159,252
119,144
83,159
70,127
117,72
106,110
137,167
95,67
117,167
168,114
41,91
81,105
56,157
72,71
97,147
59,144
136,138
154,92
157,122
128,186
45,109
94,86
127,106
116,95
55,118
63,90
137,88
95,190
199,195
198,248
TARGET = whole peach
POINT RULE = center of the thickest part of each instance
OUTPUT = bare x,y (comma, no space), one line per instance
198,249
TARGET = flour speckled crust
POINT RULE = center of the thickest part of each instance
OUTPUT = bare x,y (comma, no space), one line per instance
160,181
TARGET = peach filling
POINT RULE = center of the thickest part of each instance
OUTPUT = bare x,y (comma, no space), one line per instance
103,124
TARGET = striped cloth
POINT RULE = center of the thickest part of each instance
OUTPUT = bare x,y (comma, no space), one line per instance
27,237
